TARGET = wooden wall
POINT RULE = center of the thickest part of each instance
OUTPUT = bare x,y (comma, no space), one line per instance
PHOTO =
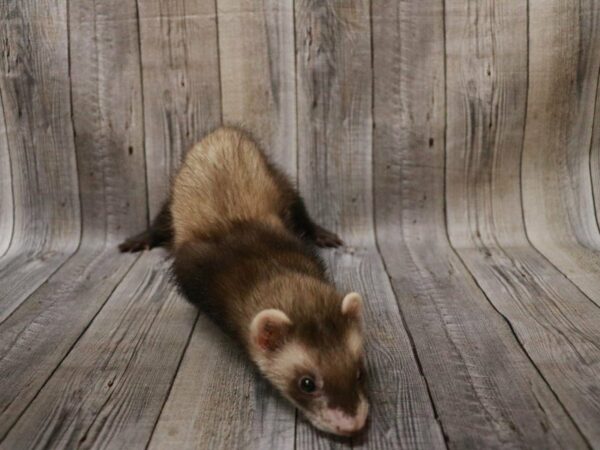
454,144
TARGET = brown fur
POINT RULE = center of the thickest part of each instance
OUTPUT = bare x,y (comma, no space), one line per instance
243,243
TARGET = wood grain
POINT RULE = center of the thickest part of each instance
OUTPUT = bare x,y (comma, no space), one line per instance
39,334
401,414
458,140
260,92
6,194
36,110
486,391
256,48
334,132
181,89
334,114
564,60
108,118
109,390
36,102
595,153
202,411
485,110
216,400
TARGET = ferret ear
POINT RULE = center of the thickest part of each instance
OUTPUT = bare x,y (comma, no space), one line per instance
269,329
352,305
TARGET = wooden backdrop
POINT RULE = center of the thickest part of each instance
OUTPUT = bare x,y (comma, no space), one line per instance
454,144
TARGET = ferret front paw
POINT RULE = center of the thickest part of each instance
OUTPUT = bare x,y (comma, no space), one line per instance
136,243
325,238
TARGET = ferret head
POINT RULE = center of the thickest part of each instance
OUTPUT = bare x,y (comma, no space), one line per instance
315,359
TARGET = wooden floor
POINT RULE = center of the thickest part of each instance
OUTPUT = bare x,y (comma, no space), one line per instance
454,144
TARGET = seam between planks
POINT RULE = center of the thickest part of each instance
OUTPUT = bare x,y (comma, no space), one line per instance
68,352
58,267
525,116
591,141
69,67
143,112
216,2
521,191
79,238
412,344
454,250
521,346
10,170
297,174
376,239
175,373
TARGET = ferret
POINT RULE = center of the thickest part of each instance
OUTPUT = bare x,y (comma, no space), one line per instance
244,251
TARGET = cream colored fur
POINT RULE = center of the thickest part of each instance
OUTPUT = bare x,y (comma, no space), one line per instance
223,178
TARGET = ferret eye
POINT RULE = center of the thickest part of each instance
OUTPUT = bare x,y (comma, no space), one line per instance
307,384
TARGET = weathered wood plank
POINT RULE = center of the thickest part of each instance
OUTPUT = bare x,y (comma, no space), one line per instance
23,270
258,90
561,337
109,390
6,194
401,415
36,101
181,84
564,60
203,410
486,54
38,335
216,403
210,403
108,118
334,114
36,106
107,121
334,133
486,391
258,72
595,152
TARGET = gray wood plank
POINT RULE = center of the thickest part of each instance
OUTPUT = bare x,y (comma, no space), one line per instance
40,333
595,152
486,391
226,404
6,194
181,84
108,118
217,402
557,186
108,125
107,121
258,89
36,110
333,51
109,390
401,414
36,101
486,58
334,134
486,110
23,270
561,337
258,73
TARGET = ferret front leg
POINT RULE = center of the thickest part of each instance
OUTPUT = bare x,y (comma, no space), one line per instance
302,224
160,234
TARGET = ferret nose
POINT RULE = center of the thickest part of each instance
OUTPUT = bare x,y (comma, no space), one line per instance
347,425
352,426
